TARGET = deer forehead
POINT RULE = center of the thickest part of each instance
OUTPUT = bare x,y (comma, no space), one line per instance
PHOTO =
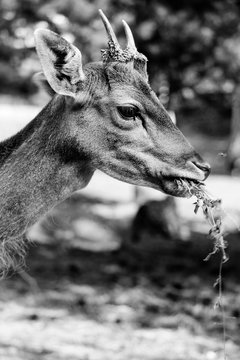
116,84
124,74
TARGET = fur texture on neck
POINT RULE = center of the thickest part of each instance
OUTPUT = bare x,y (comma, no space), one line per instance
37,170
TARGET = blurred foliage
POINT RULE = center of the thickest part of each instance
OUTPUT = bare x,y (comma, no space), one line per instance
193,45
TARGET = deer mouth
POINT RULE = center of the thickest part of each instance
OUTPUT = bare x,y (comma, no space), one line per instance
179,186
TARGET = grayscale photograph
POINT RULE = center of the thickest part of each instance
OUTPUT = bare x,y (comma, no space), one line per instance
119,180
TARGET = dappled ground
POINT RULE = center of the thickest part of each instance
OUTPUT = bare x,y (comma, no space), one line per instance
121,303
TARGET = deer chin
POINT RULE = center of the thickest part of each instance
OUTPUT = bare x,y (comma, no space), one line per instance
176,186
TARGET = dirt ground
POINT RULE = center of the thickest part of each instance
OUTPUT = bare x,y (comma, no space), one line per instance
121,303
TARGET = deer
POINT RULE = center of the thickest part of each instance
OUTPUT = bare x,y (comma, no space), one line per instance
102,115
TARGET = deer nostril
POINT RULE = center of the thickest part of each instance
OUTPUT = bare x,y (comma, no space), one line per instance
205,167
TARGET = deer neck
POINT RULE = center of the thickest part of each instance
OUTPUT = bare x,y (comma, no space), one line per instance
36,172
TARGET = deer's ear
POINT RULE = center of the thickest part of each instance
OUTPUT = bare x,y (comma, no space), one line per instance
61,62
40,80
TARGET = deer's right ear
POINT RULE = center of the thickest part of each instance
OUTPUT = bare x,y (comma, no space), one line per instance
61,62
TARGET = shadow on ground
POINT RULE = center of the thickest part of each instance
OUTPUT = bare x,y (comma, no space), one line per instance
123,301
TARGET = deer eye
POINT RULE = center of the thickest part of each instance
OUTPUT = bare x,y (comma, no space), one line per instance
128,111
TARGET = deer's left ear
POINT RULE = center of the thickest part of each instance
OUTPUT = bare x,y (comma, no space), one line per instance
61,62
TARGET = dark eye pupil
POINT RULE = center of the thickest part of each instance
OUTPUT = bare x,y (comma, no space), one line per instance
128,111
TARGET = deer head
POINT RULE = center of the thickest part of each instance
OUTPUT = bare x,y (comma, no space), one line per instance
113,119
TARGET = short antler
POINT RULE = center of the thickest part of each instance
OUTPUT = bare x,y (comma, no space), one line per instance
111,35
130,39
116,53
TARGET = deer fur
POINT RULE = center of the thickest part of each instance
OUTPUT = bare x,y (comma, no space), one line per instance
83,128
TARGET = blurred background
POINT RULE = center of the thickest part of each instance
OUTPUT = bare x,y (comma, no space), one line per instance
116,271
